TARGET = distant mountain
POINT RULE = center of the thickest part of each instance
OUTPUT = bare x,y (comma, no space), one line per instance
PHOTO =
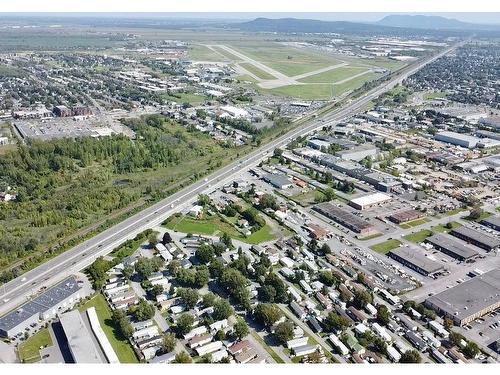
294,25
389,25
430,22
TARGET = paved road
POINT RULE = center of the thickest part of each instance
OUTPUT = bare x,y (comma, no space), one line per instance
84,254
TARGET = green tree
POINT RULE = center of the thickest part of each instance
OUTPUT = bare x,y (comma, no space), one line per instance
182,357
222,309
240,329
188,296
383,315
205,253
143,311
267,314
361,298
471,350
410,356
169,342
184,324
334,322
284,332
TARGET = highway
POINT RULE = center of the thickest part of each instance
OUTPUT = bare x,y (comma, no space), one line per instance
20,289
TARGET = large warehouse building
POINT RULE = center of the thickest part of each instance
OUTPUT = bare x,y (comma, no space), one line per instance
452,247
78,337
370,200
492,222
47,305
469,300
413,259
405,216
480,239
458,139
346,219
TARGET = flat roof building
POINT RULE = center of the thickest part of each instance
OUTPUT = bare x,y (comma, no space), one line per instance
279,181
458,139
480,239
406,216
452,247
412,258
346,219
47,305
358,153
493,222
370,200
469,300
80,343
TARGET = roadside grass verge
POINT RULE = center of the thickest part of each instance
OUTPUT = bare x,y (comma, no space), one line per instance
268,349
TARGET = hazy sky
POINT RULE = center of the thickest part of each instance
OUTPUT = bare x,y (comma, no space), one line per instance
490,18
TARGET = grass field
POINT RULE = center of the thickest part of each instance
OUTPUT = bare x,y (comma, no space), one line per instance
306,198
334,75
386,246
29,351
418,236
191,98
215,226
306,92
120,345
441,228
199,52
258,72
414,223
435,95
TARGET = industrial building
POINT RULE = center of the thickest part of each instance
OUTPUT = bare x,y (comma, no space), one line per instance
452,247
370,200
493,222
80,343
458,139
406,216
279,181
346,219
480,239
358,153
413,259
45,306
469,300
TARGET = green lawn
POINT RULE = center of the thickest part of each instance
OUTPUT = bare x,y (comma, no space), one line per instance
441,228
199,52
418,236
454,212
258,72
264,234
484,215
214,226
29,351
414,223
209,225
306,91
334,75
354,83
120,345
180,98
306,198
435,95
386,246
